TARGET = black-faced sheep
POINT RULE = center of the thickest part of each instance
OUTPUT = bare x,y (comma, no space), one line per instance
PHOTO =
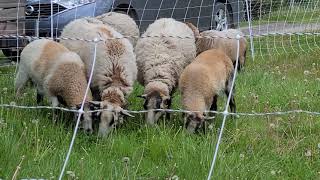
160,61
114,72
225,40
57,73
123,24
200,84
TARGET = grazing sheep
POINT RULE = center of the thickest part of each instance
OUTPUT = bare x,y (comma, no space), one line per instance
114,72
224,40
160,62
57,73
123,24
200,84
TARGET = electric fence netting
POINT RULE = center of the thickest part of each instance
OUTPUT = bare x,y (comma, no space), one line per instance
277,94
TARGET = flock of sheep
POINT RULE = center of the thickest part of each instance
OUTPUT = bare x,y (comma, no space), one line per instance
202,68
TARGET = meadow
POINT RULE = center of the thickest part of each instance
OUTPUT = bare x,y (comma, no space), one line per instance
284,75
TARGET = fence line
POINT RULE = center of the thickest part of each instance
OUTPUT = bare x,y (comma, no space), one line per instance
296,111
168,36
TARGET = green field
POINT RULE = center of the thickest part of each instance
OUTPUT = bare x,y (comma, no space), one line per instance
280,12
285,75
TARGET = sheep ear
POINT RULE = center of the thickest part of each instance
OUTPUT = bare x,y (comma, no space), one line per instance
209,118
124,112
164,98
73,108
76,107
194,29
144,96
186,113
94,105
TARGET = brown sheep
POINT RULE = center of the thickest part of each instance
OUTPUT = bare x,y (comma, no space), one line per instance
224,40
57,73
200,84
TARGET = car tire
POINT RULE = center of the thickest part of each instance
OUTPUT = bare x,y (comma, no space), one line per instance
222,17
131,13
11,54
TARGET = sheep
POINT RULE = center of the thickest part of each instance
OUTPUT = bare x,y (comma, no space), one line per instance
122,23
200,84
224,40
160,61
57,73
114,72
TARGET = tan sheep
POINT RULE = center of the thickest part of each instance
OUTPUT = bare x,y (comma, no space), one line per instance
160,62
123,24
224,40
200,84
115,67
57,73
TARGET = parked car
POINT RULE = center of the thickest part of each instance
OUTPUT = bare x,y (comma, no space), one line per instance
206,14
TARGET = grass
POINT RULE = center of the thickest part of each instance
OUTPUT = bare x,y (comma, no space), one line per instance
266,147
298,14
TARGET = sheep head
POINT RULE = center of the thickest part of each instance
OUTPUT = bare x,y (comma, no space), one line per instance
110,116
196,120
86,118
193,121
154,101
113,101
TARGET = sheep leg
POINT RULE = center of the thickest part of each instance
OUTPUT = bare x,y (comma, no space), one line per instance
169,107
232,103
55,103
39,98
214,106
21,80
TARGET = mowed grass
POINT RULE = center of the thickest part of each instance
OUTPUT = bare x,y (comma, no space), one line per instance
301,13
253,147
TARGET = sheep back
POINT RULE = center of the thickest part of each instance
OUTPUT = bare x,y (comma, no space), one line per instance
123,24
115,60
163,58
204,78
55,70
224,40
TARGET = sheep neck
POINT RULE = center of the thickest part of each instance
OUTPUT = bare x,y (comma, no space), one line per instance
113,95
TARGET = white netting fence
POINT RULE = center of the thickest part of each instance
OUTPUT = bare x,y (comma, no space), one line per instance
273,28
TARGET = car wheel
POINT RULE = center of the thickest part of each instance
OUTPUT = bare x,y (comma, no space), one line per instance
11,54
221,18
130,13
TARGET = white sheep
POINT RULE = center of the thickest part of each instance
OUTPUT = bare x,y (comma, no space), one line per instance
160,61
123,24
114,72
200,84
224,40
57,73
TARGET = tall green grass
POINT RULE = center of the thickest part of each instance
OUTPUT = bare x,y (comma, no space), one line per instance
253,147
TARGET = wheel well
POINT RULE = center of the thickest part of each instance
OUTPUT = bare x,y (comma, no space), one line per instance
128,10
229,7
